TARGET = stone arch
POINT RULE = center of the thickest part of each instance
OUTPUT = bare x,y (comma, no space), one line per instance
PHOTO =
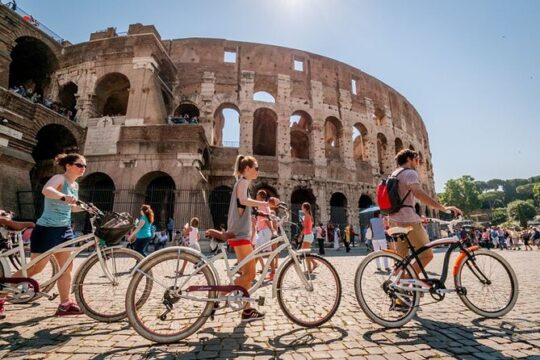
67,95
264,132
301,126
264,96
364,201
298,197
226,126
157,189
360,144
187,109
32,64
220,197
338,210
53,139
112,95
98,188
382,152
379,116
333,137
398,145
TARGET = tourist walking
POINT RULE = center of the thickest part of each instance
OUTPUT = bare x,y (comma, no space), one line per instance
142,234
378,238
246,169
321,235
526,236
170,228
54,225
337,237
347,238
308,232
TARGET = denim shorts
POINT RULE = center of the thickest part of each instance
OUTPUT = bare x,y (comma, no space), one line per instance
44,238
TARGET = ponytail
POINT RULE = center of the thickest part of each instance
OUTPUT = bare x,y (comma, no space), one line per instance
241,163
147,210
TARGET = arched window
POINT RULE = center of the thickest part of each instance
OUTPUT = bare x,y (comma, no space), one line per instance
226,127
157,189
360,142
382,154
98,188
301,126
398,144
264,97
32,63
67,98
112,95
220,198
264,132
333,134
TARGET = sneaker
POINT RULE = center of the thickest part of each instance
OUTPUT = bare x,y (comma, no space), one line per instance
2,310
249,315
69,308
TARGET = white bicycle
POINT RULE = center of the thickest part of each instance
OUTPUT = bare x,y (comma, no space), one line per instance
187,285
100,282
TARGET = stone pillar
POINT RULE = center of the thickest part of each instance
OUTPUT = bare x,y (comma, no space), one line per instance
347,148
206,118
5,61
145,99
283,145
246,132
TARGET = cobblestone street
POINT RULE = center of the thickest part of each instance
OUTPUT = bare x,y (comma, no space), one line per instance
442,330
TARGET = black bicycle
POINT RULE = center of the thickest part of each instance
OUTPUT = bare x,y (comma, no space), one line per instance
388,288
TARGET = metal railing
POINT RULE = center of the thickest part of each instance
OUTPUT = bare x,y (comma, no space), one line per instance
30,19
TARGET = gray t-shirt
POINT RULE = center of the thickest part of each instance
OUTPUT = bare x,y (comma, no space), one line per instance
239,219
406,214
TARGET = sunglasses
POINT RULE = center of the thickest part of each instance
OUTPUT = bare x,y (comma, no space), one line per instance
80,166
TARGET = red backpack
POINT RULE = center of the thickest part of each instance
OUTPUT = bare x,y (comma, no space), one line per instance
388,195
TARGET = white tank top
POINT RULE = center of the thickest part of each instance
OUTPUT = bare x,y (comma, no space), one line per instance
193,236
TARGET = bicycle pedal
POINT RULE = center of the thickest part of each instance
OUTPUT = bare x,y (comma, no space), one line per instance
51,297
260,301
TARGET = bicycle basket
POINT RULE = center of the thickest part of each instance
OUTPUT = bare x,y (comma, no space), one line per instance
112,227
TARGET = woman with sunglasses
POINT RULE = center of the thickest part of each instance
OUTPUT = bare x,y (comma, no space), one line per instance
239,223
54,225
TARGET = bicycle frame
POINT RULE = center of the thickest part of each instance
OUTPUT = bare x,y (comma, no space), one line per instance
209,262
426,284
64,247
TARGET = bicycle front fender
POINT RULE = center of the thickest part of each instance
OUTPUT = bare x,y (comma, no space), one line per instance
461,257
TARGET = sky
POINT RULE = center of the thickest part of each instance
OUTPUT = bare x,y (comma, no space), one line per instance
470,68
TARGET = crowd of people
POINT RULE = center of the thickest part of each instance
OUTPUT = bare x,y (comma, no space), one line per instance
183,119
34,96
503,238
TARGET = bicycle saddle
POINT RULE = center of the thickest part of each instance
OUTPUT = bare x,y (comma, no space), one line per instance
398,230
217,235
15,225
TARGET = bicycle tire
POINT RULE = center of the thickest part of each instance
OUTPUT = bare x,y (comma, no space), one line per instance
83,289
290,313
361,297
466,298
133,311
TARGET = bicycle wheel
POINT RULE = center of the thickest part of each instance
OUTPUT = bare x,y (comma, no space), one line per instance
166,316
312,305
98,297
491,286
383,305
48,272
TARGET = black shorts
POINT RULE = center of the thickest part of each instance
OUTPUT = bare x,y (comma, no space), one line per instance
45,238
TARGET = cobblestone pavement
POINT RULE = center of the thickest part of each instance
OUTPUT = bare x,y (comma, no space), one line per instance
443,330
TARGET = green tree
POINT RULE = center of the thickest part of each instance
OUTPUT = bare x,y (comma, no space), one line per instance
536,192
521,211
499,216
510,190
482,185
490,199
494,184
462,193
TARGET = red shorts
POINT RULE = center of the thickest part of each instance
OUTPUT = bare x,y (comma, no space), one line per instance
238,242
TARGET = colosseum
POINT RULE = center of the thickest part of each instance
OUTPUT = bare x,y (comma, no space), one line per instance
162,121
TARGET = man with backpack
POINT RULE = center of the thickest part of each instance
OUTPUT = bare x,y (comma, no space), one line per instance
397,196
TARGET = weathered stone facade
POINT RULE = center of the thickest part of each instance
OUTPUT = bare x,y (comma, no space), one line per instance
126,86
